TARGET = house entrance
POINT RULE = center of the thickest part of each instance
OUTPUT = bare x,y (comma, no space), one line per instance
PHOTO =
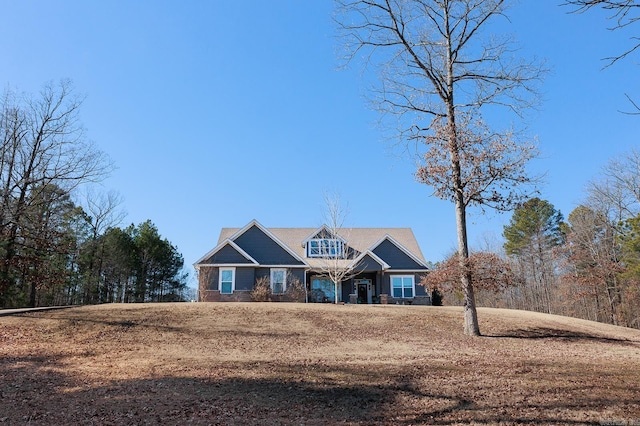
364,291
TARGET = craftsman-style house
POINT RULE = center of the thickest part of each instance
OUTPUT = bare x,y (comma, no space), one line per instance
385,264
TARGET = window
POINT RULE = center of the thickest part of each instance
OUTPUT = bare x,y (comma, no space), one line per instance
278,281
227,280
322,290
325,247
402,286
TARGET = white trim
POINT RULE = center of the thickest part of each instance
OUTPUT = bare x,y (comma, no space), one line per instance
381,262
317,231
220,247
233,279
248,265
413,285
401,247
338,244
286,266
284,282
226,265
270,235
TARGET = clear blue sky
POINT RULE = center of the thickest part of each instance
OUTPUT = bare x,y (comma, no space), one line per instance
220,112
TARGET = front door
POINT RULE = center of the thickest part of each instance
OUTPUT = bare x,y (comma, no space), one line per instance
364,291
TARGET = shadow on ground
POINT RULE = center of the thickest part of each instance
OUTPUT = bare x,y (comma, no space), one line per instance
37,390
559,334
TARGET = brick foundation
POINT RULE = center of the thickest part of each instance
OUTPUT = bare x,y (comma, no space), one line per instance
215,296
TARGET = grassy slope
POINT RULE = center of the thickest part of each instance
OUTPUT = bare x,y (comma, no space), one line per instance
312,364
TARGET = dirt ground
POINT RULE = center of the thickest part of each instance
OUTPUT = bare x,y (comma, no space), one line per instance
296,364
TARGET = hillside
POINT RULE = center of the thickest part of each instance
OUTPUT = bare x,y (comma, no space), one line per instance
312,365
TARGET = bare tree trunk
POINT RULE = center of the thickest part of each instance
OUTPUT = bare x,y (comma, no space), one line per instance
471,326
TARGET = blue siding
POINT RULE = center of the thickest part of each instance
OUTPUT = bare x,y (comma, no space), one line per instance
263,249
245,278
368,264
386,284
291,274
395,257
297,274
228,255
208,278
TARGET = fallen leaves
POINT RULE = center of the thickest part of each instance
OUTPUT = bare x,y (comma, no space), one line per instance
311,364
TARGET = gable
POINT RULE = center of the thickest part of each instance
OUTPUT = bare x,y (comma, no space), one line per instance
264,249
368,263
323,233
227,255
395,256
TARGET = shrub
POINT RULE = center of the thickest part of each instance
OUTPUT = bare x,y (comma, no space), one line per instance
295,290
261,290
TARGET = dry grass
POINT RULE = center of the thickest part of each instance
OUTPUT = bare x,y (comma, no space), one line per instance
301,364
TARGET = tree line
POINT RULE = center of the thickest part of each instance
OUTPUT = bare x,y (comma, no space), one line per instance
53,251
586,266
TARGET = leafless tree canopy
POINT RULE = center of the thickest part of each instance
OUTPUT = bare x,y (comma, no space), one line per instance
616,192
44,155
434,55
343,265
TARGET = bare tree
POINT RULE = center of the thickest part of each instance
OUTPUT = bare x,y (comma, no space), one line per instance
616,192
102,212
435,64
337,261
593,259
43,144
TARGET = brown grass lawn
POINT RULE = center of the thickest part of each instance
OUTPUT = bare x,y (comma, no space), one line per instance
226,364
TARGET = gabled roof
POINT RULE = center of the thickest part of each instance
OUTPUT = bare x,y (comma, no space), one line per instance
364,240
271,235
221,246
406,251
384,265
232,234
326,229
360,239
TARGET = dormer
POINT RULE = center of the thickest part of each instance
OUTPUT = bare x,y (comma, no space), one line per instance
323,243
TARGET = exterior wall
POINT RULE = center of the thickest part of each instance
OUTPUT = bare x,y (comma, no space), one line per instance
228,255
263,249
215,296
292,273
209,276
347,287
368,264
296,274
245,280
395,257
421,297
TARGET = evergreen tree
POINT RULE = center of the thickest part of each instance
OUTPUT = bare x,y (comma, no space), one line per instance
534,230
